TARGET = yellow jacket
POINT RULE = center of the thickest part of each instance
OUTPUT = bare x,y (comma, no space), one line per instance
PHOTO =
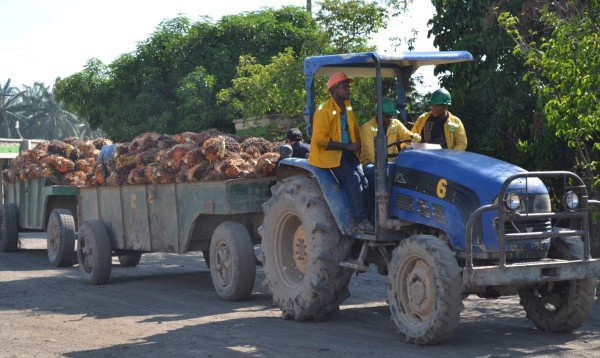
326,127
395,131
454,131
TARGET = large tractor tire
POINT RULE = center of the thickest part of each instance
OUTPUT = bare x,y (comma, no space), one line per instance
302,249
131,259
425,290
233,266
60,238
94,253
565,305
9,227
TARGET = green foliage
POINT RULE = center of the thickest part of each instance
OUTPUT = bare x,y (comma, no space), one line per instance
170,82
564,71
489,94
347,22
39,115
9,110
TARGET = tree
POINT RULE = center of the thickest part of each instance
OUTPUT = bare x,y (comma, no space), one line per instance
490,95
45,118
564,71
9,111
169,83
275,88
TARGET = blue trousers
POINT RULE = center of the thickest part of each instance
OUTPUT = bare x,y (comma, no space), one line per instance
352,178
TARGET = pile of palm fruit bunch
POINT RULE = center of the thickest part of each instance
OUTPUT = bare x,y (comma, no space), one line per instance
152,158
68,162
149,158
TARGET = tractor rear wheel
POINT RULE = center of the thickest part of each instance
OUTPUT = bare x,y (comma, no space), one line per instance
302,248
425,290
561,306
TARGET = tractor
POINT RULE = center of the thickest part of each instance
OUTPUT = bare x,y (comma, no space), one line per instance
447,224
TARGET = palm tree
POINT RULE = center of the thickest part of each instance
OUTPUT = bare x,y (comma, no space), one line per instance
10,111
46,119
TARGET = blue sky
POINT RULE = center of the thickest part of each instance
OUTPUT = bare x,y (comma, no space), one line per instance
41,40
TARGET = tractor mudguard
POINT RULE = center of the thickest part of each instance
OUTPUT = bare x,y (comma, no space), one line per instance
336,198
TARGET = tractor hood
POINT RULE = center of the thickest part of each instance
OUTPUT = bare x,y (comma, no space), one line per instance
481,174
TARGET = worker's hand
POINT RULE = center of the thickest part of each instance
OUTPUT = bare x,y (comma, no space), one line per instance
353,147
415,138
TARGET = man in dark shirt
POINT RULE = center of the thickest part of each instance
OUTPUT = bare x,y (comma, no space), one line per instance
294,139
440,126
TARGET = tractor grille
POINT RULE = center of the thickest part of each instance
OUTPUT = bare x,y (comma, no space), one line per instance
439,213
423,207
404,202
514,227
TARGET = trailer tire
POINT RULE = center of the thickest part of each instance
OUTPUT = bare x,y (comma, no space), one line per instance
60,238
302,250
9,227
206,255
561,306
130,259
94,253
233,268
425,290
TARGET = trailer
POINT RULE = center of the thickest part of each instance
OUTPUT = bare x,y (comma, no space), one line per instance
220,219
40,205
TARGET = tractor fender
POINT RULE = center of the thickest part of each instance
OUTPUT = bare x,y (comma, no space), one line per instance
334,195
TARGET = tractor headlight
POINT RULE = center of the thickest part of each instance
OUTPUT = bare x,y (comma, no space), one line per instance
512,201
571,200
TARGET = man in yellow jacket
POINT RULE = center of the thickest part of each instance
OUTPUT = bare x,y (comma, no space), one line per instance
394,130
439,126
335,144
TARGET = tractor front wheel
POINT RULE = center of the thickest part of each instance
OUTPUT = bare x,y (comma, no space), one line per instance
425,290
561,306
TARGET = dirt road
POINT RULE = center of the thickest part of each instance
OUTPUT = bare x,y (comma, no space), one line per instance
166,307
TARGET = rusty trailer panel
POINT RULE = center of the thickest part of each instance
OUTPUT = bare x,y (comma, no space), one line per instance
160,218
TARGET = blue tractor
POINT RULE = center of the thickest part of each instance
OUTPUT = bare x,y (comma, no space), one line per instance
447,224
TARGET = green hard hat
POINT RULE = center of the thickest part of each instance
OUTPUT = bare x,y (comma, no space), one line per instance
388,106
441,96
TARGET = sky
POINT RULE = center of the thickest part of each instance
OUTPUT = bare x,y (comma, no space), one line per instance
41,40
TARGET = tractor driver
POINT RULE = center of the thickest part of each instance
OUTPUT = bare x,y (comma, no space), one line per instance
440,126
394,130
335,145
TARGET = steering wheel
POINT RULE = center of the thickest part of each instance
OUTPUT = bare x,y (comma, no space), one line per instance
397,145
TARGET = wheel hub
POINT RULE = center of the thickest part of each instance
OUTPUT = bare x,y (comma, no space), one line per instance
300,248
420,290
52,238
223,263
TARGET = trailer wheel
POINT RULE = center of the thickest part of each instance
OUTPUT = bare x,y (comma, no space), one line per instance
60,238
425,290
9,227
561,306
131,259
233,267
94,253
302,249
